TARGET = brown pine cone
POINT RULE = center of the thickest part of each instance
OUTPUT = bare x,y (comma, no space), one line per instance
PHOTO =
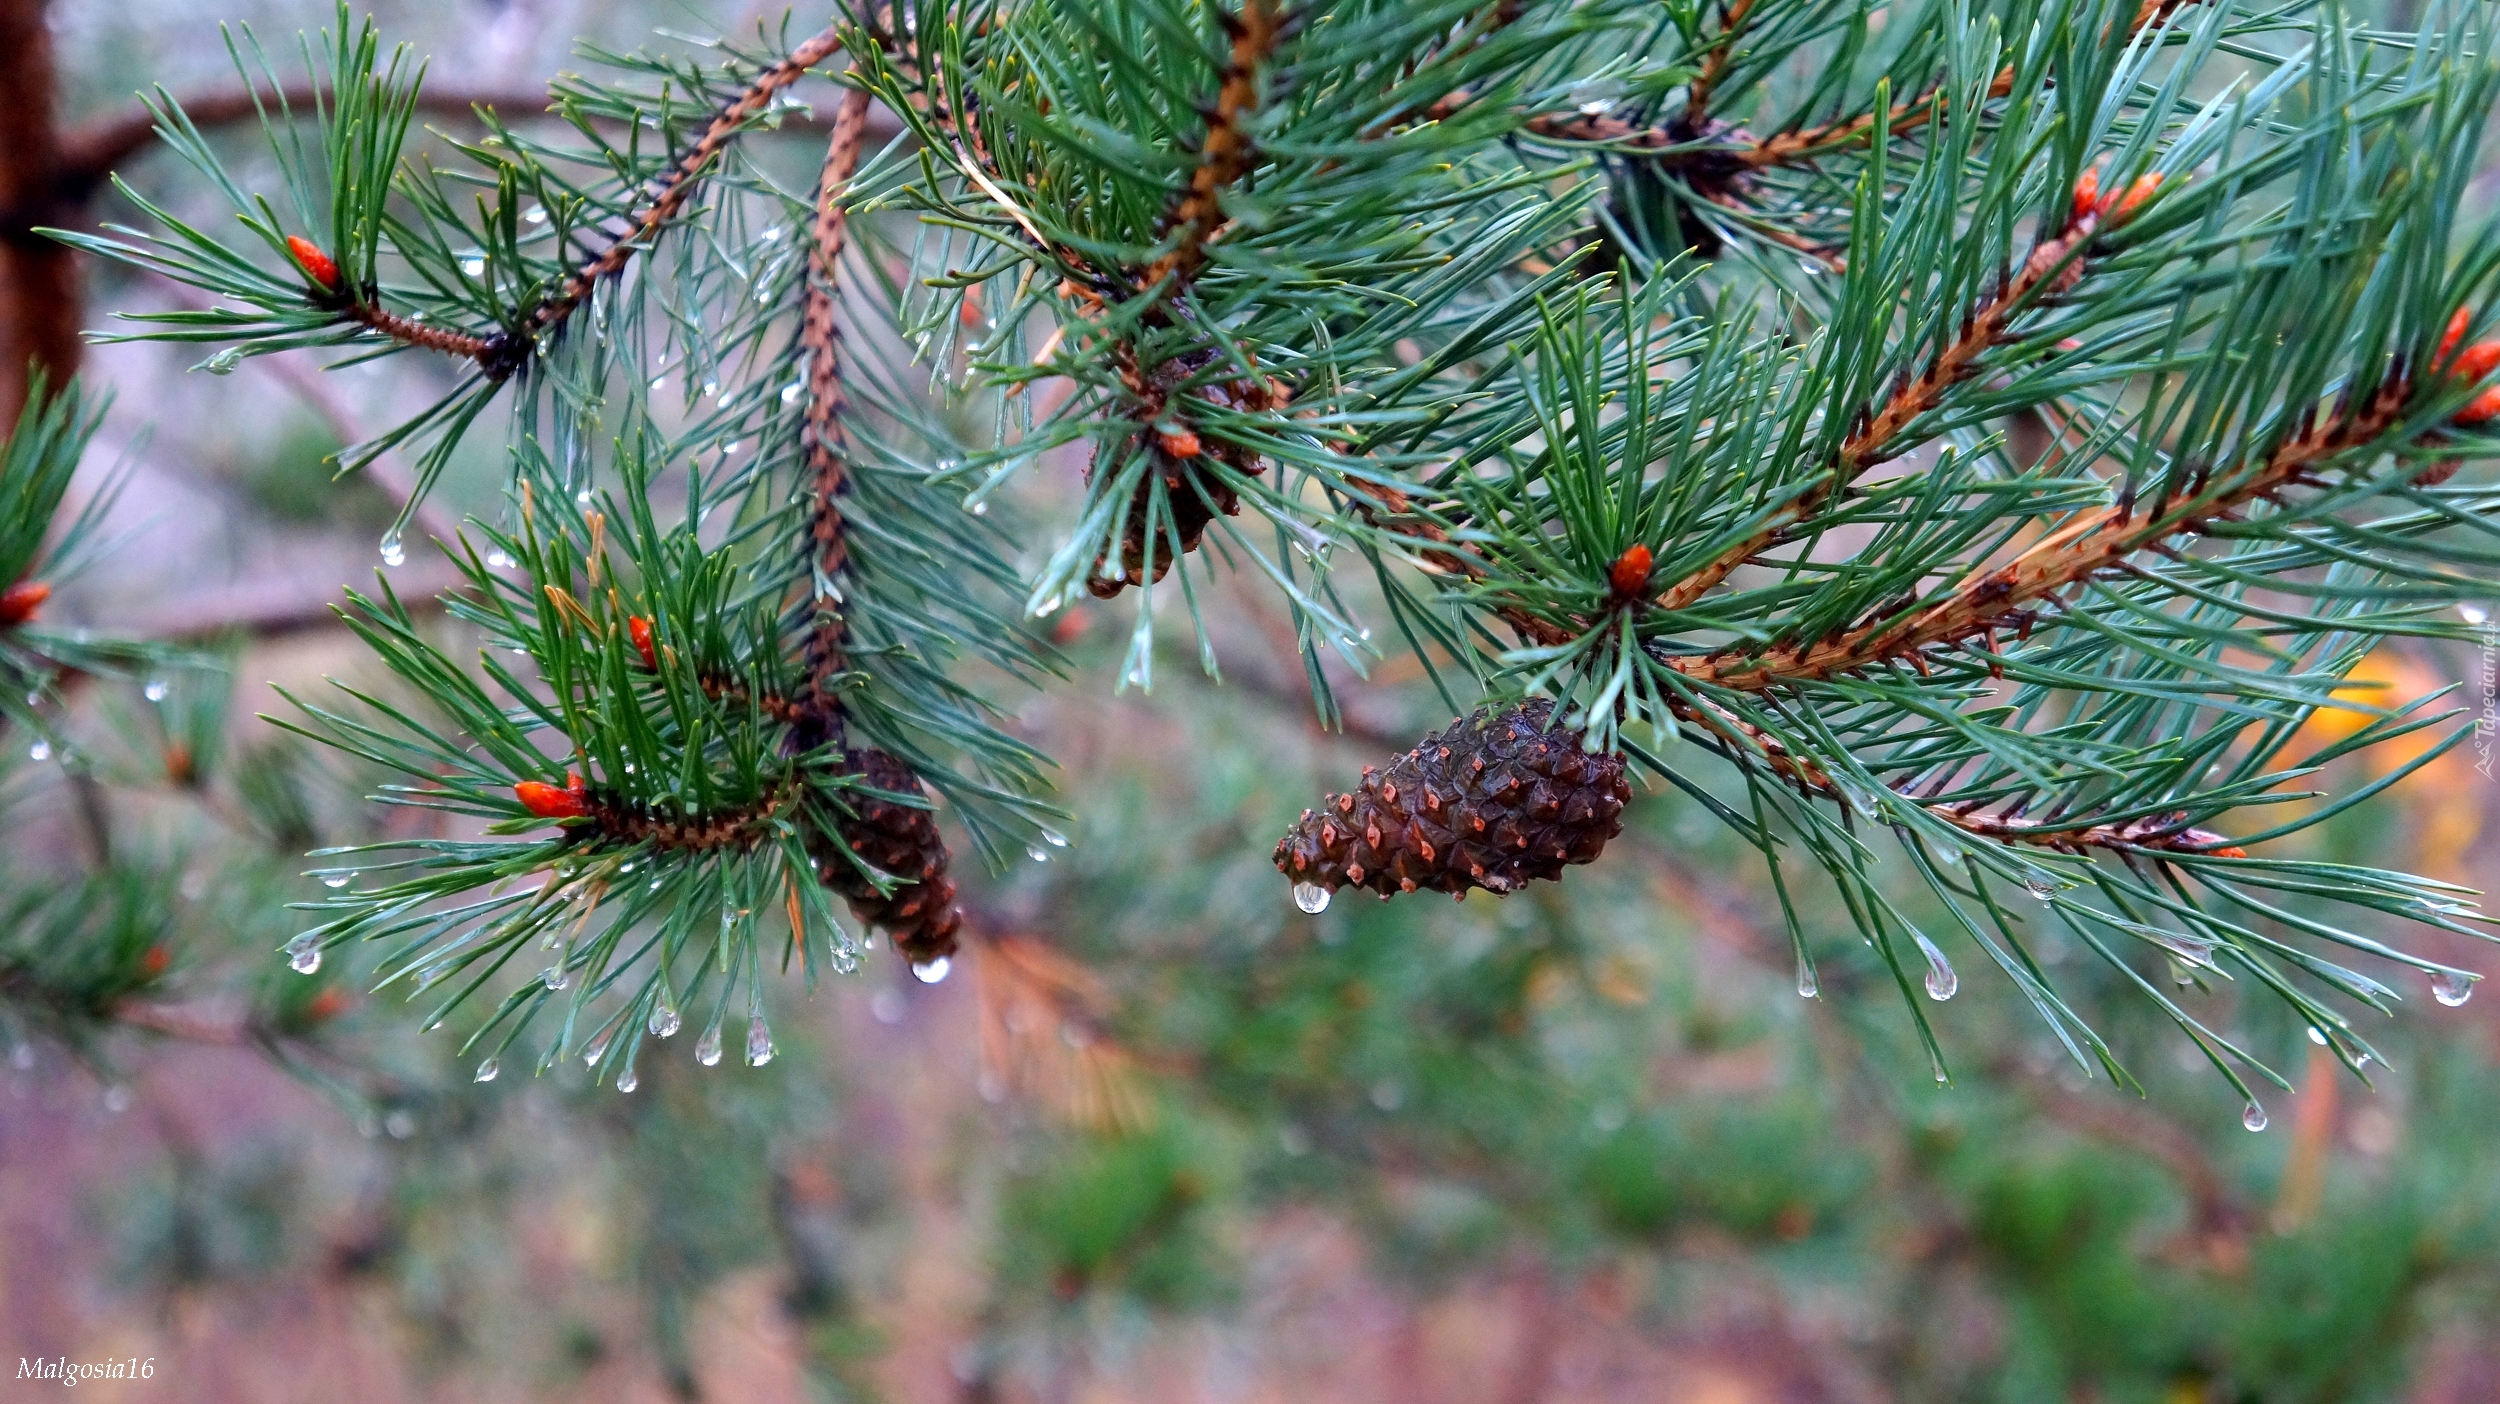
1494,801
902,840
1178,453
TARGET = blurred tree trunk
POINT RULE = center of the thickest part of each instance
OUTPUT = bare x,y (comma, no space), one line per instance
39,312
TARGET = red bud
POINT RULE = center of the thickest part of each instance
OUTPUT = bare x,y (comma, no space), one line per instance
154,962
19,602
2482,407
2233,851
2448,340
318,266
548,802
2087,190
2120,208
1180,443
1629,575
2478,361
639,630
327,1005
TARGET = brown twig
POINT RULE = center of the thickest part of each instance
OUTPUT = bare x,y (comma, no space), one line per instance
2086,544
2054,266
1224,155
824,435
671,191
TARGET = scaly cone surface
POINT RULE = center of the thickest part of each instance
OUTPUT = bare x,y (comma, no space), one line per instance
1494,801
901,840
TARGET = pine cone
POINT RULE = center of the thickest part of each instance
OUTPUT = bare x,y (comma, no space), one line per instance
1195,495
1493,802
902,840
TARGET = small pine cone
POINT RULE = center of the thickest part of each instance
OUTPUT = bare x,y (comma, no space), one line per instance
1181,459
1493,801
902,840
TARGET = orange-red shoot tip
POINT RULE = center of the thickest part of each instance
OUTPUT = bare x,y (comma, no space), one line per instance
548,802
318,266
638,629
2482,408
19,602
2118,208
1629,575
2230,851
329,1004
1180,443
154,962
2088,190
2458,321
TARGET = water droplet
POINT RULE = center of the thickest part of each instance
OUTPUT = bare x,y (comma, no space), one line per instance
710,388
759,1042
598,1048
2254,1118
473,266
1054,838
2474,614
394,553
536,214
306,961
1807,986
1047,607
117,1097
626,1081
2317,1036
22,1057
929,972
41,750
729,448
1941,981
1310,897
1388,1096
499,559
1813,269
2451,987
845,961
707,1048
1949,854
790,393
582,498
336,880
486,1071
555,977
155,690
981,508
224,362
664,1022
2039,886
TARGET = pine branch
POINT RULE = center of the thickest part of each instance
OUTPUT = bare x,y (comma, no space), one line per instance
2055,265
823,439
667,196
1225,153
2087,544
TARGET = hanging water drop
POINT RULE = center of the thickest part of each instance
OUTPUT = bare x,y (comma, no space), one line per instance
664,1022
2254,1118
486,1071
2451,987
155,690
759,1042
845,961
555,977
305,960
582,498
1310,897
1941,981
394,552
41,751
1038,855
1054,838
707,1048
1807,986
2474,613
1813,269
2039,886
473,266
537,214
598,1049
626,1081
981,508
790,393
2317,1036
929,972
336,880
499,559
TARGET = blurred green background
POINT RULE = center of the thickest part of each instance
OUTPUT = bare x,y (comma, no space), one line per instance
1163,1137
